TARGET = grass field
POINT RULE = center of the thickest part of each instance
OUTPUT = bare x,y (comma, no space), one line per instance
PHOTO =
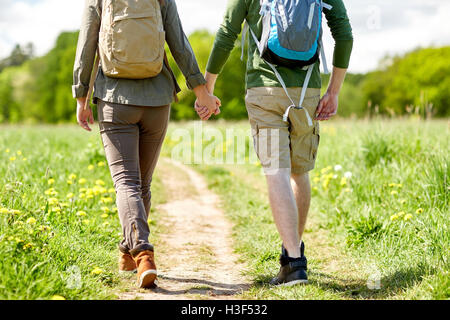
378,226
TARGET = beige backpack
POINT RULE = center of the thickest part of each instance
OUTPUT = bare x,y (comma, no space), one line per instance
132,38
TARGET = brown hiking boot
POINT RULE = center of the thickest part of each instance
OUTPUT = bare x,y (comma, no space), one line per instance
126,263
146,269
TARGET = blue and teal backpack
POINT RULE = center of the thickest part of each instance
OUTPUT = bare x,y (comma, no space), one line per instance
291,37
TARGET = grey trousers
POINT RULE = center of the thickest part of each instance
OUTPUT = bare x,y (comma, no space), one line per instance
132,137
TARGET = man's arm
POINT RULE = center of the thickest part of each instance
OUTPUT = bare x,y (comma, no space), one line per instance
341,31
328,105
225,40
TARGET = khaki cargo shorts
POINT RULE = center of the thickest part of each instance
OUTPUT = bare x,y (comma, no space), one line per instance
280,144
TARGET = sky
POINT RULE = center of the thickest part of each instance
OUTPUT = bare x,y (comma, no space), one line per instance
380,27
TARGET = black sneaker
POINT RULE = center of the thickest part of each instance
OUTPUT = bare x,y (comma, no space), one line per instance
292,270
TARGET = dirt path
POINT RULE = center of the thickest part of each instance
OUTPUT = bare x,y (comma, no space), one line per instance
193,252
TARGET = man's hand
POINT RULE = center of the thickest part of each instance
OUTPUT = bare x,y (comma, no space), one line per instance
84,117
328,107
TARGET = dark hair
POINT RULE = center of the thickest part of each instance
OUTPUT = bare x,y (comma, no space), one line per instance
161,2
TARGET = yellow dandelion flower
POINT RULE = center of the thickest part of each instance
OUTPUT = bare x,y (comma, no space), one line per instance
56,209
18,240
114,209
10,238
104,216
408,217
31,220
83,190
419,211
324,170
12,159
90,167
13,211
29,245
394,192
401,213
86,221
100,182
101,164
56,297
343,181
105,209
70,195
72,176
394,217
107,200
82,181
392,185
96,190
81,213
103,190
51,181
4,210
19,153
316,180
90,196
69,182
52,201
7,150
399,185
25,159
111,190
97,271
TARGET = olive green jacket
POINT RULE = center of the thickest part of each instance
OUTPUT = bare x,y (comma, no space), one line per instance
157,91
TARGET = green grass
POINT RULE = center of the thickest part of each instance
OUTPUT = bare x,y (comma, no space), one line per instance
52,245
390,218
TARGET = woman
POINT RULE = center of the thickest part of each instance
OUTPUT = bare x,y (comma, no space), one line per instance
133,117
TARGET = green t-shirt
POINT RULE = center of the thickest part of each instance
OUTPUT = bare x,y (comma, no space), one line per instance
259,74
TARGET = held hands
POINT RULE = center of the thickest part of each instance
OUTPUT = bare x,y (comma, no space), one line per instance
206,103
328,107
84,117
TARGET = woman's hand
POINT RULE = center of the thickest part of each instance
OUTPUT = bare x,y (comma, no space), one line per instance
206,104
84,117
204,113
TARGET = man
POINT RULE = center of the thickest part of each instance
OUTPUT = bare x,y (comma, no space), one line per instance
288,186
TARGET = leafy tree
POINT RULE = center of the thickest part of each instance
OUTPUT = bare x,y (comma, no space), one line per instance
18,56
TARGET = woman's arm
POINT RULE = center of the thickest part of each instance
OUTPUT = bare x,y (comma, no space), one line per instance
86,48
84,60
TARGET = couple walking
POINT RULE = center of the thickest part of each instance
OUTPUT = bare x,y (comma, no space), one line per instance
135,87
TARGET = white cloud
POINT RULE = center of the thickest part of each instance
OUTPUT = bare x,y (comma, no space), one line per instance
380,27
37,21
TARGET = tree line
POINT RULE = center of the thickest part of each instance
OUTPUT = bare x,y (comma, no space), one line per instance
38,89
